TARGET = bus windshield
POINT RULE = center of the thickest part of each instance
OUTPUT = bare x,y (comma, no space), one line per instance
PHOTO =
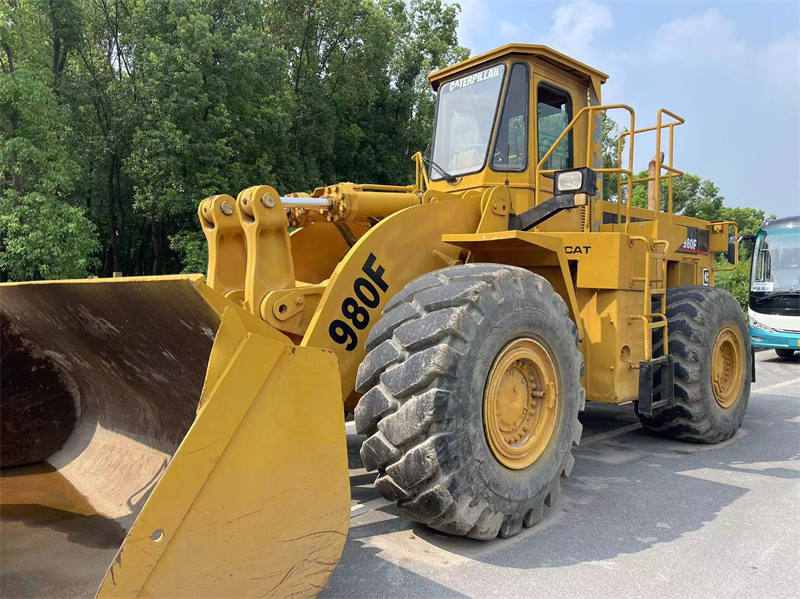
464,119
776,261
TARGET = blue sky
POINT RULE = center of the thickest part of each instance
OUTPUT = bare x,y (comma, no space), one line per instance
732,69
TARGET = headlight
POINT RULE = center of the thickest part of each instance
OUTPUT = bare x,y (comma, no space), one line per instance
582,180
763,327
569,181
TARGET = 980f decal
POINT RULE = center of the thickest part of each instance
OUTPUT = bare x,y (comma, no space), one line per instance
696,241
366,292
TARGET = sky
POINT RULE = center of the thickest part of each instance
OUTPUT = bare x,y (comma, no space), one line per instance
731,69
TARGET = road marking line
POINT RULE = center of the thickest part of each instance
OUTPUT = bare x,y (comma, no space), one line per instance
777,386
609,434
363,508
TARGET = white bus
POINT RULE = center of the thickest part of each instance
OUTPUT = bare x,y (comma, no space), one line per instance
774,305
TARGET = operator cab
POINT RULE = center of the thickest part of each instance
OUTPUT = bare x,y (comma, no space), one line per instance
484,135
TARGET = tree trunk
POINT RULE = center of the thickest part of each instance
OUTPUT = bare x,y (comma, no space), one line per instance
112,232
156,227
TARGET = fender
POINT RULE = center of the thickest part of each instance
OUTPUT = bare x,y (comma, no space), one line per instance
400,248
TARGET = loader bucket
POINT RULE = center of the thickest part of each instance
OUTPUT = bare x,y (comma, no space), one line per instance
160,441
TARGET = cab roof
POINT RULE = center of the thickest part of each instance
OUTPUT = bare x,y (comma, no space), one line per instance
557,59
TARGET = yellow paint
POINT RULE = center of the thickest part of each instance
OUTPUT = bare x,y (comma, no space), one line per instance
227,249
521,403
727,366
318,248
269,256
564,63
254,501
283,529
612,346
405,245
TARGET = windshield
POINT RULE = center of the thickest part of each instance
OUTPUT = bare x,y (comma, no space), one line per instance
776,261
464,120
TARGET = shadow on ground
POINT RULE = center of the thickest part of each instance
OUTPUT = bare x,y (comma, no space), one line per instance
626,494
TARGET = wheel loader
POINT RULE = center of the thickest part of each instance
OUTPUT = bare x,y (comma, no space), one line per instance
184,435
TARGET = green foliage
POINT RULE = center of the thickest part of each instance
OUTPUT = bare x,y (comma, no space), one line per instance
692,196
116,118
44,238
700,198
193,251
131,113
610,132
736,281
43,230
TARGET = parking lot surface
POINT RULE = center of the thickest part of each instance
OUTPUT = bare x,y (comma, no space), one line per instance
639,516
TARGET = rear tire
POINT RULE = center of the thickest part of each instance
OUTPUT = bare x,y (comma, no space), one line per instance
709,341
423,408
785,353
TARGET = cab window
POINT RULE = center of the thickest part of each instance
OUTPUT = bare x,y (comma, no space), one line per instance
554,114
511,146
465,115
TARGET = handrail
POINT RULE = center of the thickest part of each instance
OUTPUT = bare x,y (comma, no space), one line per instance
728,224
421,174
648,315
629,181
589,150
672,172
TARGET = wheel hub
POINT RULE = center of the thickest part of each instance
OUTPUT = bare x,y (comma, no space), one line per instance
727,360
521,403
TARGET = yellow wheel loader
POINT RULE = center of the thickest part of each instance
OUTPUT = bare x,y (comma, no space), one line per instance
180,436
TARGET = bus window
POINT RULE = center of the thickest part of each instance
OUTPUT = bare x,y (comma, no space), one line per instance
776,261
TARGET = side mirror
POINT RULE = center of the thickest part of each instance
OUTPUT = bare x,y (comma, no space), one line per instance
746,243
730,255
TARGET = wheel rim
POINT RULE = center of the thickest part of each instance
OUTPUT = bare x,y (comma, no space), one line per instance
727,360
521,403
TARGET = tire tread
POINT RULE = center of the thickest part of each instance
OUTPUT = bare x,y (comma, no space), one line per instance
428,323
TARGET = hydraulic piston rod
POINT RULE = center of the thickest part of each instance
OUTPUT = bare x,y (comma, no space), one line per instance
306,202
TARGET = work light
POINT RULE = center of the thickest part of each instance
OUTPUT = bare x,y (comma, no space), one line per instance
582,180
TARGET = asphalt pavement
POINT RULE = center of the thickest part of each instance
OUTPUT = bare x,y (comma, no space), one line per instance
639,516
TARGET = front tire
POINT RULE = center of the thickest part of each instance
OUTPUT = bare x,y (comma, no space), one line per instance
785,353
464,367
710,345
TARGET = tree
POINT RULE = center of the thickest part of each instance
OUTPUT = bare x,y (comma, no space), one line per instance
736,281
700,198
43,230
208,110
129,113
610,132
118,118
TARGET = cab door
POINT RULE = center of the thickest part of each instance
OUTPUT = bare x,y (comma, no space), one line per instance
556,101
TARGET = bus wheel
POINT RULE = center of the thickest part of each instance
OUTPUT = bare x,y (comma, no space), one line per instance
785,353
